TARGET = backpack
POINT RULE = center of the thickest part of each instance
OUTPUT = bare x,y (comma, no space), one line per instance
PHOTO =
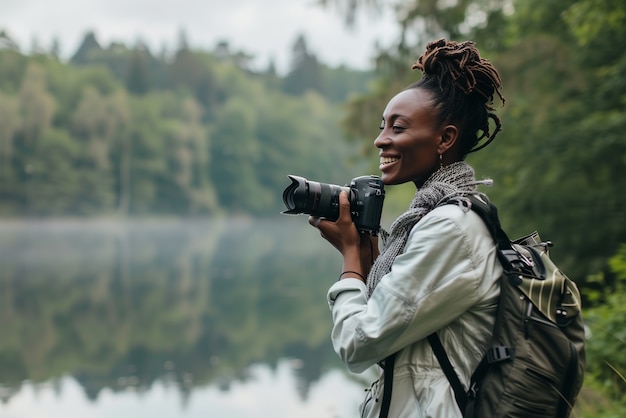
535,363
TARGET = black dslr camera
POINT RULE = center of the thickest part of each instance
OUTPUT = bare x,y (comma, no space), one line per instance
366,195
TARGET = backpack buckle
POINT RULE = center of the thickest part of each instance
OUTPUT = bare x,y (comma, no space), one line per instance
500,353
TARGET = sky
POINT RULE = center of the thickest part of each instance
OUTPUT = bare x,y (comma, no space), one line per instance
267,29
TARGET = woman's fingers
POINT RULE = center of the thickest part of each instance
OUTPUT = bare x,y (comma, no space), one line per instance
315,221
344,208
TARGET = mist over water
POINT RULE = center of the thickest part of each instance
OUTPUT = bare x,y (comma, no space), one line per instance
220,318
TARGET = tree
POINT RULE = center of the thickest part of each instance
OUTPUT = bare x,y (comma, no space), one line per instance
54,187
306,72
193,72
138,79
188,153
9,124
55,48
10,192
234,152
97,121
6,42
88,47
36,105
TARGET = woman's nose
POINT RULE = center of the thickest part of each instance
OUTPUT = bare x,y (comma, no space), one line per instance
381,140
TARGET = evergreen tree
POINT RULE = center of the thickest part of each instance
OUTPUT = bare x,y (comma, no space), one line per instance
55,48
306,72
6,42
88,47
138,79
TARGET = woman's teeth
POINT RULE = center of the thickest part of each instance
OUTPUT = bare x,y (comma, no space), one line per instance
388,160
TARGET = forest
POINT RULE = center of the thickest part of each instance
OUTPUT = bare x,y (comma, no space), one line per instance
120,131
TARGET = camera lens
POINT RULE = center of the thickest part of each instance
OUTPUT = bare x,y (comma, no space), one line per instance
312,198
295,194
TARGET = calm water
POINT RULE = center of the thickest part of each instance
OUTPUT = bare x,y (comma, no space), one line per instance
169,319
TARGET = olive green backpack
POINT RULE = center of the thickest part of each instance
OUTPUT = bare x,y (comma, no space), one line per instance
536,360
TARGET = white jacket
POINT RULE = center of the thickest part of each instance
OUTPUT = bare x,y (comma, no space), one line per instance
445,281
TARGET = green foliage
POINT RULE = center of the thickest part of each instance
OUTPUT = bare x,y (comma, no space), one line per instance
138,79
131,134
606,358
12,70
563,119
618,264
343,83
54,185
598,26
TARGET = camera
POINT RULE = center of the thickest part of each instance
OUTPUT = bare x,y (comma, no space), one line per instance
366,195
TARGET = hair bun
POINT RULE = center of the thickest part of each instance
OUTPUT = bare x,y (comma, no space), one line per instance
461,64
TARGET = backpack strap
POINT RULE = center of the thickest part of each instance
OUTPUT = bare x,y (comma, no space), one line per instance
510,260
389,365
488,212
440,352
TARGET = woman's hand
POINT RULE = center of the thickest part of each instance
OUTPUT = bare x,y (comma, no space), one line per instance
358,249
342,233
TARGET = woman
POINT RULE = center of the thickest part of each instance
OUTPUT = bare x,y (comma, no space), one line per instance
438,269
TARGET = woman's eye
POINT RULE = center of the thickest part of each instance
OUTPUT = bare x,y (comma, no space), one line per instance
395,128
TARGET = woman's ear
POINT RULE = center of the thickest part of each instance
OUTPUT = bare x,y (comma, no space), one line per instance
449,139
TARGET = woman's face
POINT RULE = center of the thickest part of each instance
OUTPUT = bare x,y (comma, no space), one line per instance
409,138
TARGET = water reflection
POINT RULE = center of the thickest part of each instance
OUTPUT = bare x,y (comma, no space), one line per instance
151,309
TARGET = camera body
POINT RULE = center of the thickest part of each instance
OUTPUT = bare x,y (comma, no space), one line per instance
365,193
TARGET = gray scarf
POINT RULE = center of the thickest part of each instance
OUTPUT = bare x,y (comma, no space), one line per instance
454,180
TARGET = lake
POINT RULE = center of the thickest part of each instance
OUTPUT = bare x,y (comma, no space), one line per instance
169,319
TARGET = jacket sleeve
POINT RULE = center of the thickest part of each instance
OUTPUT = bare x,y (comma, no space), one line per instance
431,284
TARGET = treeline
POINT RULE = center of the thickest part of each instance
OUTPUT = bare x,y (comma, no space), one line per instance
119,130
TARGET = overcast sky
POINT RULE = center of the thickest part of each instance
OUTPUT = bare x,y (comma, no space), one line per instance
265,28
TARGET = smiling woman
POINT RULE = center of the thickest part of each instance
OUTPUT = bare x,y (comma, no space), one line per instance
438,269
410,138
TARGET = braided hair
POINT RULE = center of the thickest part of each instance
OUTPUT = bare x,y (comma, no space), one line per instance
462,85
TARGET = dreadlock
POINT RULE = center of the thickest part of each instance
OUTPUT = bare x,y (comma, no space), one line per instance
462,85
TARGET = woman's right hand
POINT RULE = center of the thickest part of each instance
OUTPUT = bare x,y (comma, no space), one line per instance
359,249
342,233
